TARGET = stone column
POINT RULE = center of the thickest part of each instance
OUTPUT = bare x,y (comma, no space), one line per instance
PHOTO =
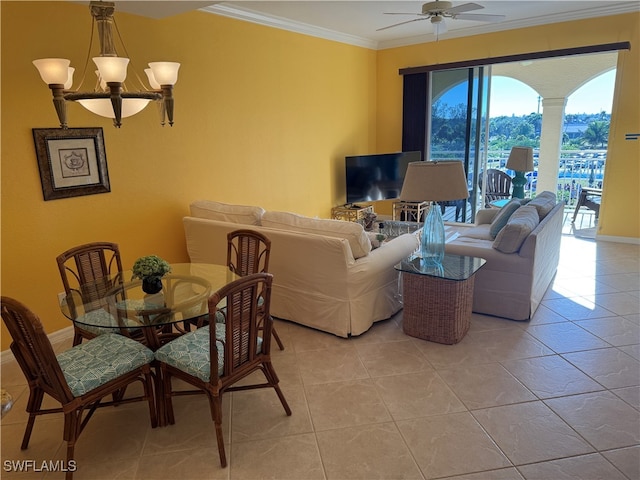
550,142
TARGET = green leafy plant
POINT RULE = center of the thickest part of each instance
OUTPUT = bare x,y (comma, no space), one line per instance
150,266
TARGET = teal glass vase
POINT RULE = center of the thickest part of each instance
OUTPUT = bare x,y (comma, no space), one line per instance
432,241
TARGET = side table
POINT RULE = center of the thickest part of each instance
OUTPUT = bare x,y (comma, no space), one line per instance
438,300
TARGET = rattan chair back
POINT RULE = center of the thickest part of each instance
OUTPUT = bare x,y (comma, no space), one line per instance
248,252
92,270
33,351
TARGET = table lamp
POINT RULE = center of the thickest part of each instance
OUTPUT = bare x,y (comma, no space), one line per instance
434,182
520,161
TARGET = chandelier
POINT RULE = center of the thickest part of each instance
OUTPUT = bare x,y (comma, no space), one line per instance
110,97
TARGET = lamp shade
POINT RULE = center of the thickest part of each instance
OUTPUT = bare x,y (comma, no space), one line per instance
434,181
520,159
152,80
53,70
165,73
112,69
104,107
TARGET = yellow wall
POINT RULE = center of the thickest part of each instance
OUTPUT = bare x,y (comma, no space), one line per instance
620,212
263,116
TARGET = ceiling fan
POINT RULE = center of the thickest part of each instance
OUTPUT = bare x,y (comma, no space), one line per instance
438,10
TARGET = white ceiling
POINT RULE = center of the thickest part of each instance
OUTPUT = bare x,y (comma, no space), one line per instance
356,22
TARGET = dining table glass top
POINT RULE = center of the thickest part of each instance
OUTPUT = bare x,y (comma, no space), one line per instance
119,302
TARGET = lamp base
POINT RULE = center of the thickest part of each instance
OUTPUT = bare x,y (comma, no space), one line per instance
518,182
432,241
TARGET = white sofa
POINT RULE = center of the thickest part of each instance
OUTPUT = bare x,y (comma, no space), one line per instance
522,256
325,273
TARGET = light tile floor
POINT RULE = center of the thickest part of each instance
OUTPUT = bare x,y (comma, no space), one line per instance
557,397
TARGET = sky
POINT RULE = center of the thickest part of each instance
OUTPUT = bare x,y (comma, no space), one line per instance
520,99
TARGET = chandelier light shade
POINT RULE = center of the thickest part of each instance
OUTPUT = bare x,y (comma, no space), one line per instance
520,161
434,182
111,98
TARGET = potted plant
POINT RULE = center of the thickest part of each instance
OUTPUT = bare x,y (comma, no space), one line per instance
150,270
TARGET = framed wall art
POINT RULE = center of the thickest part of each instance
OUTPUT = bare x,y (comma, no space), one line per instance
72,162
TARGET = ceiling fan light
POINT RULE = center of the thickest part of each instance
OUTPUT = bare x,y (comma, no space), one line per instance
436,19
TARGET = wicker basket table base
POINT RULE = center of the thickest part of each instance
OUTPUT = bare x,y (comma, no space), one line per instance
436,309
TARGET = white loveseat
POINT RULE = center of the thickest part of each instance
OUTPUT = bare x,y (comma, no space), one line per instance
325,274
522,255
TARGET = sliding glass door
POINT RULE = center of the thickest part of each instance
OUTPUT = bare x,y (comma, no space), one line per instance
457,128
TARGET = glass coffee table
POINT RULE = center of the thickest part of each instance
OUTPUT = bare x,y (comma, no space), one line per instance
438,300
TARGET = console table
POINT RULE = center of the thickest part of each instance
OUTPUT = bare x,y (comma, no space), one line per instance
351,213
438,300
410,211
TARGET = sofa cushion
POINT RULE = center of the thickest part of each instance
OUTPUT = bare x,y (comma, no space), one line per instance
544,203
353,232
224,212
480,232
501,219
523,221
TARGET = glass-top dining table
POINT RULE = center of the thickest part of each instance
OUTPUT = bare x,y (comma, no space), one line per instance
119,303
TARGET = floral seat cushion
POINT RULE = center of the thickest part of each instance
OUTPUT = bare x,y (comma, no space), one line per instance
100,360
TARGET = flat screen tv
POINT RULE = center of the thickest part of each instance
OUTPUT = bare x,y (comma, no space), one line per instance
377,177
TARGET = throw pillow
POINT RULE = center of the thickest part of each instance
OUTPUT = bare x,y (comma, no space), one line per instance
224,212
517,229
373,238
501,219
544,203
353,232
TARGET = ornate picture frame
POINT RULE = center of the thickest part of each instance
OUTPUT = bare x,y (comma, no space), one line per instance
72,162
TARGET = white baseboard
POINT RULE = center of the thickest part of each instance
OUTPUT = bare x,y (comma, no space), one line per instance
56,337
610,238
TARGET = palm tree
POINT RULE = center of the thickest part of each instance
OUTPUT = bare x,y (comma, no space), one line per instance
596,134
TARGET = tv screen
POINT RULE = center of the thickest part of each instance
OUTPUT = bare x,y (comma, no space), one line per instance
377,177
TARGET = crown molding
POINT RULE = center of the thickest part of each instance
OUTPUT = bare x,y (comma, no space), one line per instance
252,16
248,15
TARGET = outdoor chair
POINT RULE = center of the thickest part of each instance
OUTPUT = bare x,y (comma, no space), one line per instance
78,378
88,273
590,199
213,358
248,253
498,186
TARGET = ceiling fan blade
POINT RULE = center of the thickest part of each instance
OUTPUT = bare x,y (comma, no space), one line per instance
401,23
466,7
404,13
479,17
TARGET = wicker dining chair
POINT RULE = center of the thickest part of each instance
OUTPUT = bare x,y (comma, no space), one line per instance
213,358
82,268
78,378
248,253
